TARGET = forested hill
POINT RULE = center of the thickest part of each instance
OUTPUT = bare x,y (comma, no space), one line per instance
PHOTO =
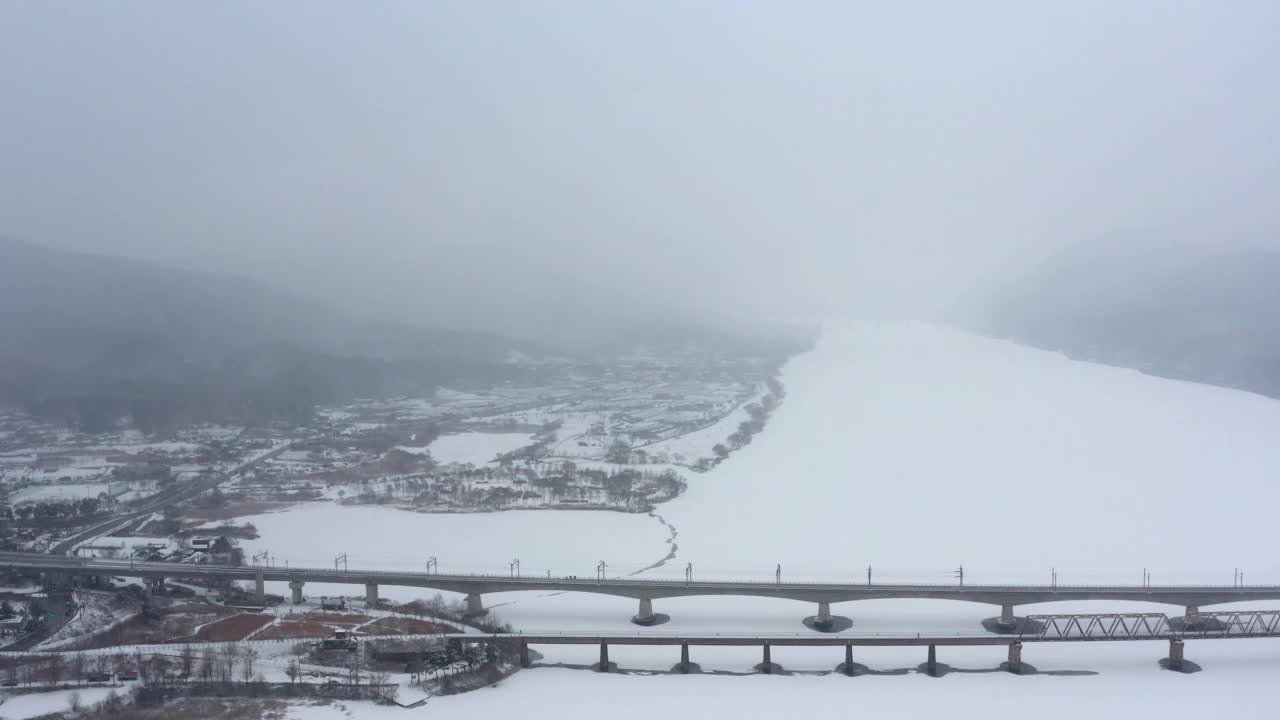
1202,315
92,339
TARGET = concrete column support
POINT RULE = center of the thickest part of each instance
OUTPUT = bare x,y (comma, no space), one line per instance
296,586
645,615
260,587
823,620
524,653
1006,617
604,657
1015,657
767,666
848,659
153,584
932,665
475,607
684,657
371,594
1175,654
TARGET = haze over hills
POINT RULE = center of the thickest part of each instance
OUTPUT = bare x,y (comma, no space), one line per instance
1204,314
93,338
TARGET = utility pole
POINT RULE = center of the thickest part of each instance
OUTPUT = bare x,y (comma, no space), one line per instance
433,567
777,575
868,576
960,574
260,556
1053,578
341,559
688,573
515,568
600,571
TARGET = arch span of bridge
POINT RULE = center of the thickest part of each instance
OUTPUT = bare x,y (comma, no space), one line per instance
646,591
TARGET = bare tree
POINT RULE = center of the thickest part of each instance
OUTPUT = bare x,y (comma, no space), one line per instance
248,655
208,665
113,704
230,652
293,670
144,668
74,702
187,659
57,666
78,666
160,669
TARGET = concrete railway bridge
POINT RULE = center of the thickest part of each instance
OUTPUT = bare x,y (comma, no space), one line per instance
646,591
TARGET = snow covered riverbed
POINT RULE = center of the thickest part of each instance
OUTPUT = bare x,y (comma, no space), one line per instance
914,450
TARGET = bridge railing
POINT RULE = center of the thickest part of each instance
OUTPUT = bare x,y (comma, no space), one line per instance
391,575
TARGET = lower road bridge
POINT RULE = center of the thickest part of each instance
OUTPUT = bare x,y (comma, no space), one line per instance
1230,625
646,591
1036,629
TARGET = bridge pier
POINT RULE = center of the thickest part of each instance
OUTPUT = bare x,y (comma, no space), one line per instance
931,665
1007,621
153,584
524,653
823,620
767,666
1175,654
296,587
645,616
371,594
1191,617
848,659
1015,657
604,657
475,608
260,587
684,657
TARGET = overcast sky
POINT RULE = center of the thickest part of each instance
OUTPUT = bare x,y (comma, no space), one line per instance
805,156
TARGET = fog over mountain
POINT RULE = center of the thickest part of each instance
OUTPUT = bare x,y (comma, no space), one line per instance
586,177
91,338
1207,315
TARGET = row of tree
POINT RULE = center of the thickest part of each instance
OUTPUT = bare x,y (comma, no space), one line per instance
757,415
55,509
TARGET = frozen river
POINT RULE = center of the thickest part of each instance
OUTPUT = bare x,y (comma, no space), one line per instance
910,449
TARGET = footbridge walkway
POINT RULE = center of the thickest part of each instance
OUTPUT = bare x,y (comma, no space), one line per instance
645,591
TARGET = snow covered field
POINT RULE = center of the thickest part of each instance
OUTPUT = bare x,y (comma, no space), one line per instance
914,450
569,542
67,491
20,707
476,448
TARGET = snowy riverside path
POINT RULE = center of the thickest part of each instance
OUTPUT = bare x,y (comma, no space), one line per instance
915,450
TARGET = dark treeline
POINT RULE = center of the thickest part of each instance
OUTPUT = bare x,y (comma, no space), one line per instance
94,340
1206,315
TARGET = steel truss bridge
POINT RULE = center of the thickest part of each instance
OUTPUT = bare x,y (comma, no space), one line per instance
1110,627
